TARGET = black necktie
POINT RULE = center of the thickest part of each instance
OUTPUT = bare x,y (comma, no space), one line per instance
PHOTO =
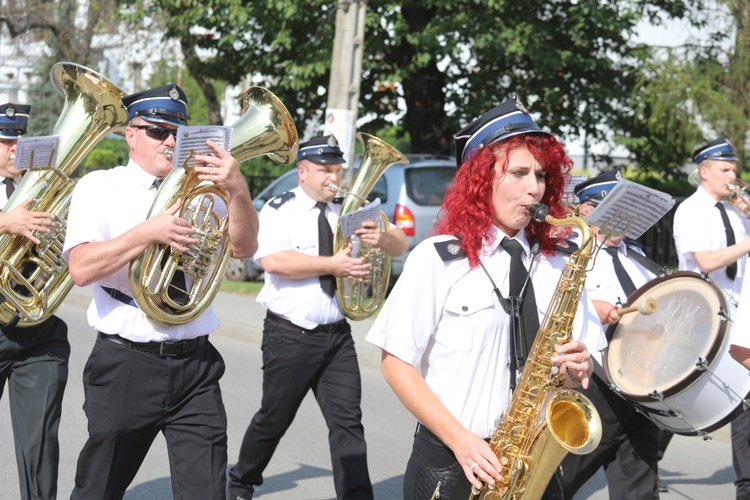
622,275
731,268
325,248
157,182
518,275
9,186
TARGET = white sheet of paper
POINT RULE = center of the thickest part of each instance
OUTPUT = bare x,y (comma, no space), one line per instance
350,222
630,209
191,140
38,152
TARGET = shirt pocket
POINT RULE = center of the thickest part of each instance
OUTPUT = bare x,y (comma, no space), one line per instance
467,318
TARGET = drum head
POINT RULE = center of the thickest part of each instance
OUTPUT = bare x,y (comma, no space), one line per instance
658,352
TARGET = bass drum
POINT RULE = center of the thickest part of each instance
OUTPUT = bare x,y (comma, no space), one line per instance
674,363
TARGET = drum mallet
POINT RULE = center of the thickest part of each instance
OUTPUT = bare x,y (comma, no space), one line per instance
645,305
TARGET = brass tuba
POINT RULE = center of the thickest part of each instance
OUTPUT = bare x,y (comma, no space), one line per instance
265,128
34,278
543,421
360,299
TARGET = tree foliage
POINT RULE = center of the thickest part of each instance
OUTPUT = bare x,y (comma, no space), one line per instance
448,61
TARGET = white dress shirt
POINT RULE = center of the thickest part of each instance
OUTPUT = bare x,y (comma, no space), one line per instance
106,204
445,318
292,224
698,227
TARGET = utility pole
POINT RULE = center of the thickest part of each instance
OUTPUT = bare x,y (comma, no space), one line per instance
346,69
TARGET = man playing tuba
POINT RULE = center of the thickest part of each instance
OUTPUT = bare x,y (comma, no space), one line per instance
33,360
143,378
307,342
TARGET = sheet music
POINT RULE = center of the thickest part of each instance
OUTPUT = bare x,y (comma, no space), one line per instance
191,140
630,209
350,222
38,152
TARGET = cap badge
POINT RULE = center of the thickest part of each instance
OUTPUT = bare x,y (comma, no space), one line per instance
453,249
332,142
10,112
174,94
519,105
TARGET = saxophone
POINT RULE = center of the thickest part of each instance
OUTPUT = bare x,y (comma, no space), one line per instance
544,421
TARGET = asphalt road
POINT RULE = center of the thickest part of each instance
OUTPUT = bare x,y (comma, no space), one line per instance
692,468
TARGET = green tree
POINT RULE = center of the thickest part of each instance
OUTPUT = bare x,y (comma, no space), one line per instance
572,61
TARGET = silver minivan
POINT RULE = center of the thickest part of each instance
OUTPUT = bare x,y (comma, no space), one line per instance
410,196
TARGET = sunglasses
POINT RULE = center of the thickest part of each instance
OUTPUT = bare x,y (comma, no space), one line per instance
156,131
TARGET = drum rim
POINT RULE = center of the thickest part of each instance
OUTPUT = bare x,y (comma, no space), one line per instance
713,351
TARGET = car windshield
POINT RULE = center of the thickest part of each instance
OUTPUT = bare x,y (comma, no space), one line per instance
427,185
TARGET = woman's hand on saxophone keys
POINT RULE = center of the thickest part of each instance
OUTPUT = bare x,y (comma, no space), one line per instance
478,461
575,361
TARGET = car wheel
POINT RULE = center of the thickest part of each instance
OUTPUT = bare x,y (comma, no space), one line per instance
236,270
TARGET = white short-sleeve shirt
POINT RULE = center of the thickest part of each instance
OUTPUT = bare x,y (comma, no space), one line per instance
106,204
698,227
290,222
444,317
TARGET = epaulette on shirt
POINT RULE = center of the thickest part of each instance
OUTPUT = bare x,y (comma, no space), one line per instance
566,246
450,250
279,200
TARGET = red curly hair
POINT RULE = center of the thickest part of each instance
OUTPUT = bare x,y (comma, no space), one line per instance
467,208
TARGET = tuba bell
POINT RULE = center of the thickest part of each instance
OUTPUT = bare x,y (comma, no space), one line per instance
34,278
361,299
265,128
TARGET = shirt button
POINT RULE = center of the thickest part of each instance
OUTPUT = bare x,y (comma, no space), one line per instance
464,308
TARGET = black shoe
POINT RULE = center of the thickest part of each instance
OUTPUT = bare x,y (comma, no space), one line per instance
661,486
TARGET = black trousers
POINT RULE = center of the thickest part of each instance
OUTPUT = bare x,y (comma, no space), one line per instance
628,450
34,362
740,429
133,395
294,363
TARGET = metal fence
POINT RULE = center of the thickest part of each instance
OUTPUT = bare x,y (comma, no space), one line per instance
658,242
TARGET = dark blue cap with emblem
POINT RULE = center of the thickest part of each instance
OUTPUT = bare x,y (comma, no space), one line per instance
506,120
595,189
323,150
720,149
165,104
14,118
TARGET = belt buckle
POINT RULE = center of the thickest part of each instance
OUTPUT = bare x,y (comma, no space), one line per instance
167,343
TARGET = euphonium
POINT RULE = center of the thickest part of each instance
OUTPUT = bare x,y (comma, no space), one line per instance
544,421
265,128
360,299
34,278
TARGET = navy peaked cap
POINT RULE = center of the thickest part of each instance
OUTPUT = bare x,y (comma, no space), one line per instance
14,118
720,149
323,150
596,188
506,120
165,104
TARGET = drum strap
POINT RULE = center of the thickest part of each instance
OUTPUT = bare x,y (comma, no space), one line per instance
647,263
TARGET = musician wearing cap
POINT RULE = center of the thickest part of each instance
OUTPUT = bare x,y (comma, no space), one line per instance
307,342
450,349
628,451
144,378
711,237
34,359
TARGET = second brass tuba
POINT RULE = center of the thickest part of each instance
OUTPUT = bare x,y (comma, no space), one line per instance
34,278
265,128
543,421
360,299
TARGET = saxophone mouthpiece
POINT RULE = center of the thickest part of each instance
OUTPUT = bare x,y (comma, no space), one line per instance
538,211
168,153
12,158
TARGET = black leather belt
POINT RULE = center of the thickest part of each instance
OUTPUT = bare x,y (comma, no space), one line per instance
339,326
168,348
